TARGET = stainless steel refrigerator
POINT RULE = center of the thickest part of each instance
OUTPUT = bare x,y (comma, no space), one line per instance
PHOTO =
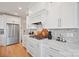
12,33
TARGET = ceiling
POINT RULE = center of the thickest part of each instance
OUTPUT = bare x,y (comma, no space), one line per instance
15,8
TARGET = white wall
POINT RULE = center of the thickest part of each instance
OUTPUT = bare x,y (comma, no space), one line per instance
1,22
23,27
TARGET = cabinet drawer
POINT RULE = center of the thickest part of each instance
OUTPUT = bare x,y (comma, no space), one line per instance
53,53
58,53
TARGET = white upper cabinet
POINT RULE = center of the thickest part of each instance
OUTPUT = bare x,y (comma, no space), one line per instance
69,15
37,7
53,15
56,15
38,14
62,15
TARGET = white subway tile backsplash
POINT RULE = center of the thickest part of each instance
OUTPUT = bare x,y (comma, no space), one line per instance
69,34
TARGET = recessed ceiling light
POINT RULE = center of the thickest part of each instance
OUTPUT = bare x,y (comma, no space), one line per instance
19,8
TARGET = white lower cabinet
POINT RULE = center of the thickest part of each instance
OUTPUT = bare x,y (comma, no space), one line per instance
46,48
30,47
54,49
52,52
34,47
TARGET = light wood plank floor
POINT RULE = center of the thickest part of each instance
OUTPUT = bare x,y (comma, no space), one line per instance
16,50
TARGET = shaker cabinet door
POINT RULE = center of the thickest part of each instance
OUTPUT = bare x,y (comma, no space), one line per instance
53,15
69,15
62,15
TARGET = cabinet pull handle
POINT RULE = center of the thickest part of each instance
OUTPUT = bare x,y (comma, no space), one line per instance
53,49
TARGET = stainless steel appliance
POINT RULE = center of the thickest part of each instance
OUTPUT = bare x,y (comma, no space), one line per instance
12,33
